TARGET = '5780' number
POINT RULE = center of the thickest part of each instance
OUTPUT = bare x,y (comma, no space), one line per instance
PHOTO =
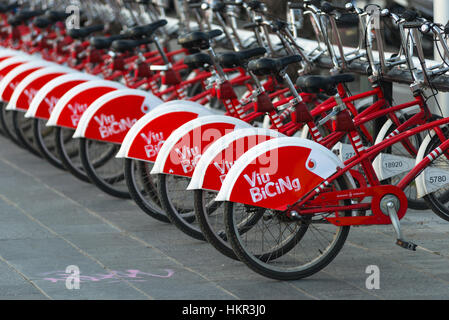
437,179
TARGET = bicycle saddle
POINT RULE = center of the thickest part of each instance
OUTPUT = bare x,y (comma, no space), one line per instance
198,60
23,16
84,32
239,59
29,14
4,8
129,45
42,22
198,39
56,16
146,30
267,66
315,84
106,42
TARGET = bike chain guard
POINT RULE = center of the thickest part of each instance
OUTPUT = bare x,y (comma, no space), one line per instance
378,217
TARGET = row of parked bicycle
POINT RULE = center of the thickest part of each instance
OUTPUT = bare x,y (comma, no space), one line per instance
226,144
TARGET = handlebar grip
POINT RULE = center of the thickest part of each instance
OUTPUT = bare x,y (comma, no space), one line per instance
413,25
296,5
446,28
195,5
233,3
303,4
328,8
348,20
409,15
250,25
255,4
316,3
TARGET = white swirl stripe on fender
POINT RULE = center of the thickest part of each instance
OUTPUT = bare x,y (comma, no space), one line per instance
326,162
45,90
150,100
12,105
167,107
66,98
218,146
171,142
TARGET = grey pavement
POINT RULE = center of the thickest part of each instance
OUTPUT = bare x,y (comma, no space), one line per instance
49,221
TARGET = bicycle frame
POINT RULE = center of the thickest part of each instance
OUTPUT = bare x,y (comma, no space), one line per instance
363,158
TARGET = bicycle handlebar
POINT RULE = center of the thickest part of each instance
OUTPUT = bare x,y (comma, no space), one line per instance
329,8
304,4
409,15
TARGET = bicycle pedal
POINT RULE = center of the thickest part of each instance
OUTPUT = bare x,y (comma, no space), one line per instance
406,245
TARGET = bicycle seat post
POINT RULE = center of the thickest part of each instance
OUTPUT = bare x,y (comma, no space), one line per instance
220,73
161,51
283,73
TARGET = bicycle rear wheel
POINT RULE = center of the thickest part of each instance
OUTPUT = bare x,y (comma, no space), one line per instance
7,125
45,142
103,168
280,248
143,188
23,127
210,216
69,153
177,203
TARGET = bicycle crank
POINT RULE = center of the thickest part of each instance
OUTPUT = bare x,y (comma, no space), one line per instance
389,206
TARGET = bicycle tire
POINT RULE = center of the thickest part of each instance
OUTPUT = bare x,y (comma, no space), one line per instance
45,143
142,188
438,201
105,171
174,196
266,266
23,127
69,154
7,125
213,231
